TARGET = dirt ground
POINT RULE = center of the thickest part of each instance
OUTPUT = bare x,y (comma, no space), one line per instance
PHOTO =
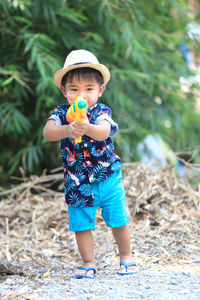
40,254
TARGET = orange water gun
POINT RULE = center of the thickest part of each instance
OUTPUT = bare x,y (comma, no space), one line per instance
77,112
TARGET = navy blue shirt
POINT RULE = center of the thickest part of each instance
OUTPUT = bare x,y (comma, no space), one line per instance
89,161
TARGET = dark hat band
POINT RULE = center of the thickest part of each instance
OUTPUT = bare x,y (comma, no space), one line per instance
81,63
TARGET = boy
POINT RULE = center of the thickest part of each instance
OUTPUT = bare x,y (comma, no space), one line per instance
92,174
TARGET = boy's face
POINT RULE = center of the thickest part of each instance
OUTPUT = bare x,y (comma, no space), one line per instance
89,90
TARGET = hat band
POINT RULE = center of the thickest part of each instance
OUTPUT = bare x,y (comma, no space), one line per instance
81,63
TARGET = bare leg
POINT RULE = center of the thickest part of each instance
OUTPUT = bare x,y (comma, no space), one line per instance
122,238
85,245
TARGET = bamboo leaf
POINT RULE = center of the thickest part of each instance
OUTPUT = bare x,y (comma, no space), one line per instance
7,81
140,46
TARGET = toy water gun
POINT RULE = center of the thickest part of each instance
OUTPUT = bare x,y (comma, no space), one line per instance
77,112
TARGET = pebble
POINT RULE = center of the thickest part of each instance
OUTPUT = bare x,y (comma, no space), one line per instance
9,281
143,286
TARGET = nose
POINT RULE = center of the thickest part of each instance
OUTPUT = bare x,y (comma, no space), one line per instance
82,94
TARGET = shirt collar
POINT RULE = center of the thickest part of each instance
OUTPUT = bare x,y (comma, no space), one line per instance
92,107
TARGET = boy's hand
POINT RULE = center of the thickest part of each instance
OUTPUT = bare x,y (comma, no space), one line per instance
77,129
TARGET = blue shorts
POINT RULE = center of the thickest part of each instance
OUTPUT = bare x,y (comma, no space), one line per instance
108,195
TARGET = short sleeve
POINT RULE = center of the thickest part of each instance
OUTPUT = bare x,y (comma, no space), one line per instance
106,114
58,115
56,119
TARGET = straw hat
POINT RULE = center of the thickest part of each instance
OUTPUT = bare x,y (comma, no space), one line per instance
81,59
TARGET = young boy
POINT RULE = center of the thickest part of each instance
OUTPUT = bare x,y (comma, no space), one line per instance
92,175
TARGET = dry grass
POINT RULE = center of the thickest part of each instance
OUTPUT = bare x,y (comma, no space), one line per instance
164,216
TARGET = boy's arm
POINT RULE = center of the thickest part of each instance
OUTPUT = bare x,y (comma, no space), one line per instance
54,132
99,132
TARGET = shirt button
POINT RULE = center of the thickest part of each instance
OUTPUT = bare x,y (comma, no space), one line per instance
85,145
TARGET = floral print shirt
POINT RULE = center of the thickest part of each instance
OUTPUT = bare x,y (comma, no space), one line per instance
89,161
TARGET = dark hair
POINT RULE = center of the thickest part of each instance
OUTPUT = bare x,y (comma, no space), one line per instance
82,73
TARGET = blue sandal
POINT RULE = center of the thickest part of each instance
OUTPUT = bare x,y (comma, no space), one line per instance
127,265
86,270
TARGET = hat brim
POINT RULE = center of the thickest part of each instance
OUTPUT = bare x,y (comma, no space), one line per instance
99,67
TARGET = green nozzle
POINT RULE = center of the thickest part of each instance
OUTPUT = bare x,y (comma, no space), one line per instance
82,104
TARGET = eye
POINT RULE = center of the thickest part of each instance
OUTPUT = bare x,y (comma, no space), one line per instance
89,89
73,90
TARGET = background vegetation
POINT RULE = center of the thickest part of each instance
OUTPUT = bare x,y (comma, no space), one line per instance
139,42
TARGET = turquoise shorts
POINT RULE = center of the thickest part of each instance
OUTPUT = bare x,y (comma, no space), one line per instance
109,195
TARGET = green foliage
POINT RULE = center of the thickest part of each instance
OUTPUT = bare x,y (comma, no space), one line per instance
137,40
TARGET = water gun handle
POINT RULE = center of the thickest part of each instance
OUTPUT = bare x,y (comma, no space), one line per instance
77,112
79,140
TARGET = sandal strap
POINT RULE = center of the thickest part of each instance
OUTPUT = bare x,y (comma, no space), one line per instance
88,269
127,265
